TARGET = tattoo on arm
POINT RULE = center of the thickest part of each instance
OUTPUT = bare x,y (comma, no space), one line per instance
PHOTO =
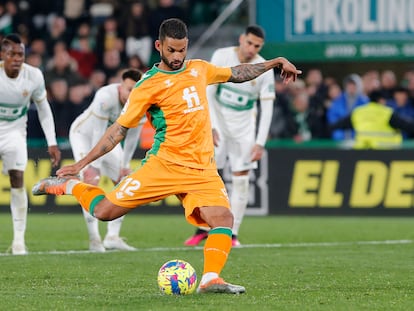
113,138
246,72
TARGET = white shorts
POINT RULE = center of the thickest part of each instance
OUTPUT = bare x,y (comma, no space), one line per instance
13,150
110,162
237,150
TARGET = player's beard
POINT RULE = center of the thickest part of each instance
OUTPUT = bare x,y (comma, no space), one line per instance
174,65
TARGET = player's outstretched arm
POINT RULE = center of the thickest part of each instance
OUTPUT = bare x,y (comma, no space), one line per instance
113,135
247,72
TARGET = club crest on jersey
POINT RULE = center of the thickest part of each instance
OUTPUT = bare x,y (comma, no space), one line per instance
25,93
168,83
194,73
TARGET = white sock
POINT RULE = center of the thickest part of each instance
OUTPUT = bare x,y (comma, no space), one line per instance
239,199
69,186
207,277
92,224
114,227
18,207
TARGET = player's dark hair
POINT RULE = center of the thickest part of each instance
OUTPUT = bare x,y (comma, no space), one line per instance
173,28
255,30
10,38
132,73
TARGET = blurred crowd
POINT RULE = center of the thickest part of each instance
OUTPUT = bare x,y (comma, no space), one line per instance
304,109
81,45
84,44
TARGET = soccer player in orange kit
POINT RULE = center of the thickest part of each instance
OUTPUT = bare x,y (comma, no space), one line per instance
181,160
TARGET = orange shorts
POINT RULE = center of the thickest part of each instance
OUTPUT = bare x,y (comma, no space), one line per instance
157,179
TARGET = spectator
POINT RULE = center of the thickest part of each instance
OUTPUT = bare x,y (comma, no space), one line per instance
388,82
40,11
20,18
302,122
84,56
370,81
136,62
317,92
376,125
58,93
38,46
84,30
333,92
280,106
402,104
315,85
109,38
79,97
6,21
56,32
350,98
97,79
137,31
75,13
35,60
61,66
295,88
112,63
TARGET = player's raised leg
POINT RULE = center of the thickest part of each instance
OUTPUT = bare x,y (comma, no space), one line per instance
91,198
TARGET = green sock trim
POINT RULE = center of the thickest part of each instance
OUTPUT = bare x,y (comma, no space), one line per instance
95,201
221,230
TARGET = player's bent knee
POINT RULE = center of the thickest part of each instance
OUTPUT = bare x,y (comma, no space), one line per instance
217,216
106,212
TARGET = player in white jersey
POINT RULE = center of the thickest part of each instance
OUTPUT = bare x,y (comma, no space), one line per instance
85,132
20,84
233,109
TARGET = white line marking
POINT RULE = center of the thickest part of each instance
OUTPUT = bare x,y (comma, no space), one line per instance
276,245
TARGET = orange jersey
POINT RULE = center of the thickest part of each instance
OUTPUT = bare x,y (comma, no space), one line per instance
176,105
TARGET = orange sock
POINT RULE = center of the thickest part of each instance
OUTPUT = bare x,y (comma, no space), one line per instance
88,196
217,249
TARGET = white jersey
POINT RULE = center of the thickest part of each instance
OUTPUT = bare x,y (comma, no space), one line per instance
234,112
105,109
235,103
16,95
90,126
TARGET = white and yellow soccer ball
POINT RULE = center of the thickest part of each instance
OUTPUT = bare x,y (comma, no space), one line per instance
177,277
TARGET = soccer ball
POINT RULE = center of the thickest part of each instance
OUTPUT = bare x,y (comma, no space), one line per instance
177,277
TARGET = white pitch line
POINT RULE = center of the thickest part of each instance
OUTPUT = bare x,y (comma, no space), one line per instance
276,245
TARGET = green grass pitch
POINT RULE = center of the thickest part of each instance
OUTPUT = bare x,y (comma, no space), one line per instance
287,263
